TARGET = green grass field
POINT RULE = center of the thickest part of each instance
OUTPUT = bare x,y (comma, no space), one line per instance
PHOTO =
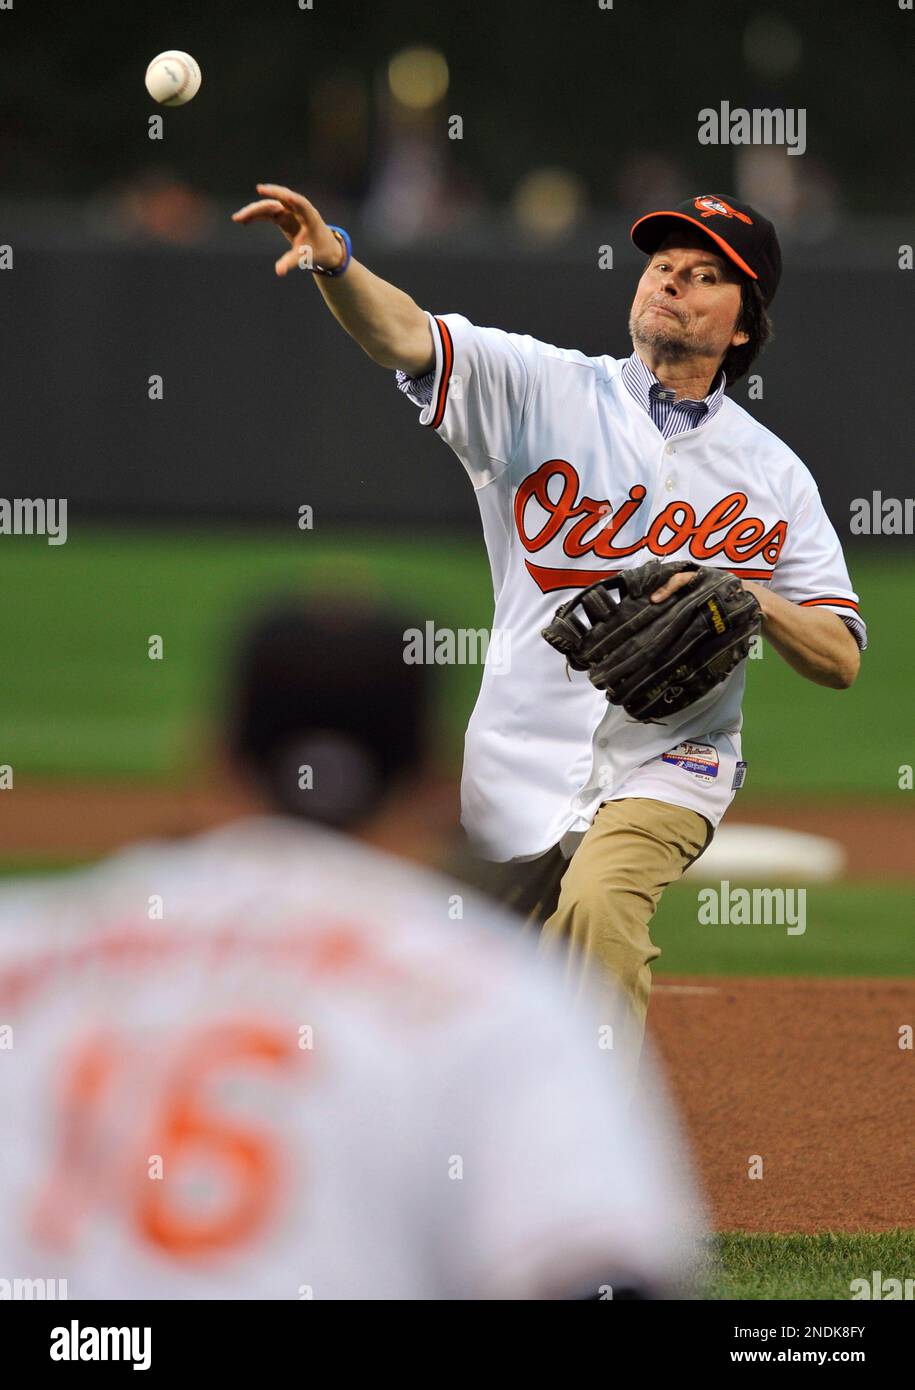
804,1267
851,929
81,698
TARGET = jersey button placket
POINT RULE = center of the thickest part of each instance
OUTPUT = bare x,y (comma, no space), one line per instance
666,479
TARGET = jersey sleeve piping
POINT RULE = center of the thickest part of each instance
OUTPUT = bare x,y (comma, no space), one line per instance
440,397
830,601
434,413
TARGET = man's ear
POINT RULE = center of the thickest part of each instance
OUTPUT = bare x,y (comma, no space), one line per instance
738,338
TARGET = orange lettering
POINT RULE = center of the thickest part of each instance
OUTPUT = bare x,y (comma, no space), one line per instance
559,512
719,516
91,1172
738,537
189,1131
667,520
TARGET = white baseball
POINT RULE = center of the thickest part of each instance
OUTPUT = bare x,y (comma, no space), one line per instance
173,78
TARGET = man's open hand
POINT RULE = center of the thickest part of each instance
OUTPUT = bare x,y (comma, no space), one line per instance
301,224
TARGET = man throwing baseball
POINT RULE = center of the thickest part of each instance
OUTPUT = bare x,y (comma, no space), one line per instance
583,799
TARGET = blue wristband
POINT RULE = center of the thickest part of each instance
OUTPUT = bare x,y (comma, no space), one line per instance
348,247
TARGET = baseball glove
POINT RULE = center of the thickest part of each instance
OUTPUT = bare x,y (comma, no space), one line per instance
655,659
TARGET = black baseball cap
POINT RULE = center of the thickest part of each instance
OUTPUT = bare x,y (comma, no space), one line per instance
297,695
738,230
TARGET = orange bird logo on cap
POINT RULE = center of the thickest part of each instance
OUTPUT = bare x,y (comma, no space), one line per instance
710,206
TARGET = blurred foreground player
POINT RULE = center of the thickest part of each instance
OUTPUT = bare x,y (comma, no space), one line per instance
273,1062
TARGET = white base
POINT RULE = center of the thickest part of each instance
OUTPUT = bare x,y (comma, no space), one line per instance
766,853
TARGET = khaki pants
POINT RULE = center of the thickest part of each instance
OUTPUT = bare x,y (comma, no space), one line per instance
595,909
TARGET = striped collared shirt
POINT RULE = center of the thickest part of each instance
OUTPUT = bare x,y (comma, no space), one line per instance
671,416
416,388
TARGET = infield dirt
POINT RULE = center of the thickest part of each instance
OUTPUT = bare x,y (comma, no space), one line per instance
809,1076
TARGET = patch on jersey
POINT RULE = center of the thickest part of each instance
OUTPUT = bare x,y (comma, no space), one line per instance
701,759
740,776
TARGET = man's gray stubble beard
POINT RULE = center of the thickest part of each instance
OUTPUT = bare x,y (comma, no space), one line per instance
656,338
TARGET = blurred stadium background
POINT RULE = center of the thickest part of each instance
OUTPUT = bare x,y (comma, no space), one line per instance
183,511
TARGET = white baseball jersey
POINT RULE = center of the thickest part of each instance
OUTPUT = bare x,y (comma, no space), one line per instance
575,483
273,1063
